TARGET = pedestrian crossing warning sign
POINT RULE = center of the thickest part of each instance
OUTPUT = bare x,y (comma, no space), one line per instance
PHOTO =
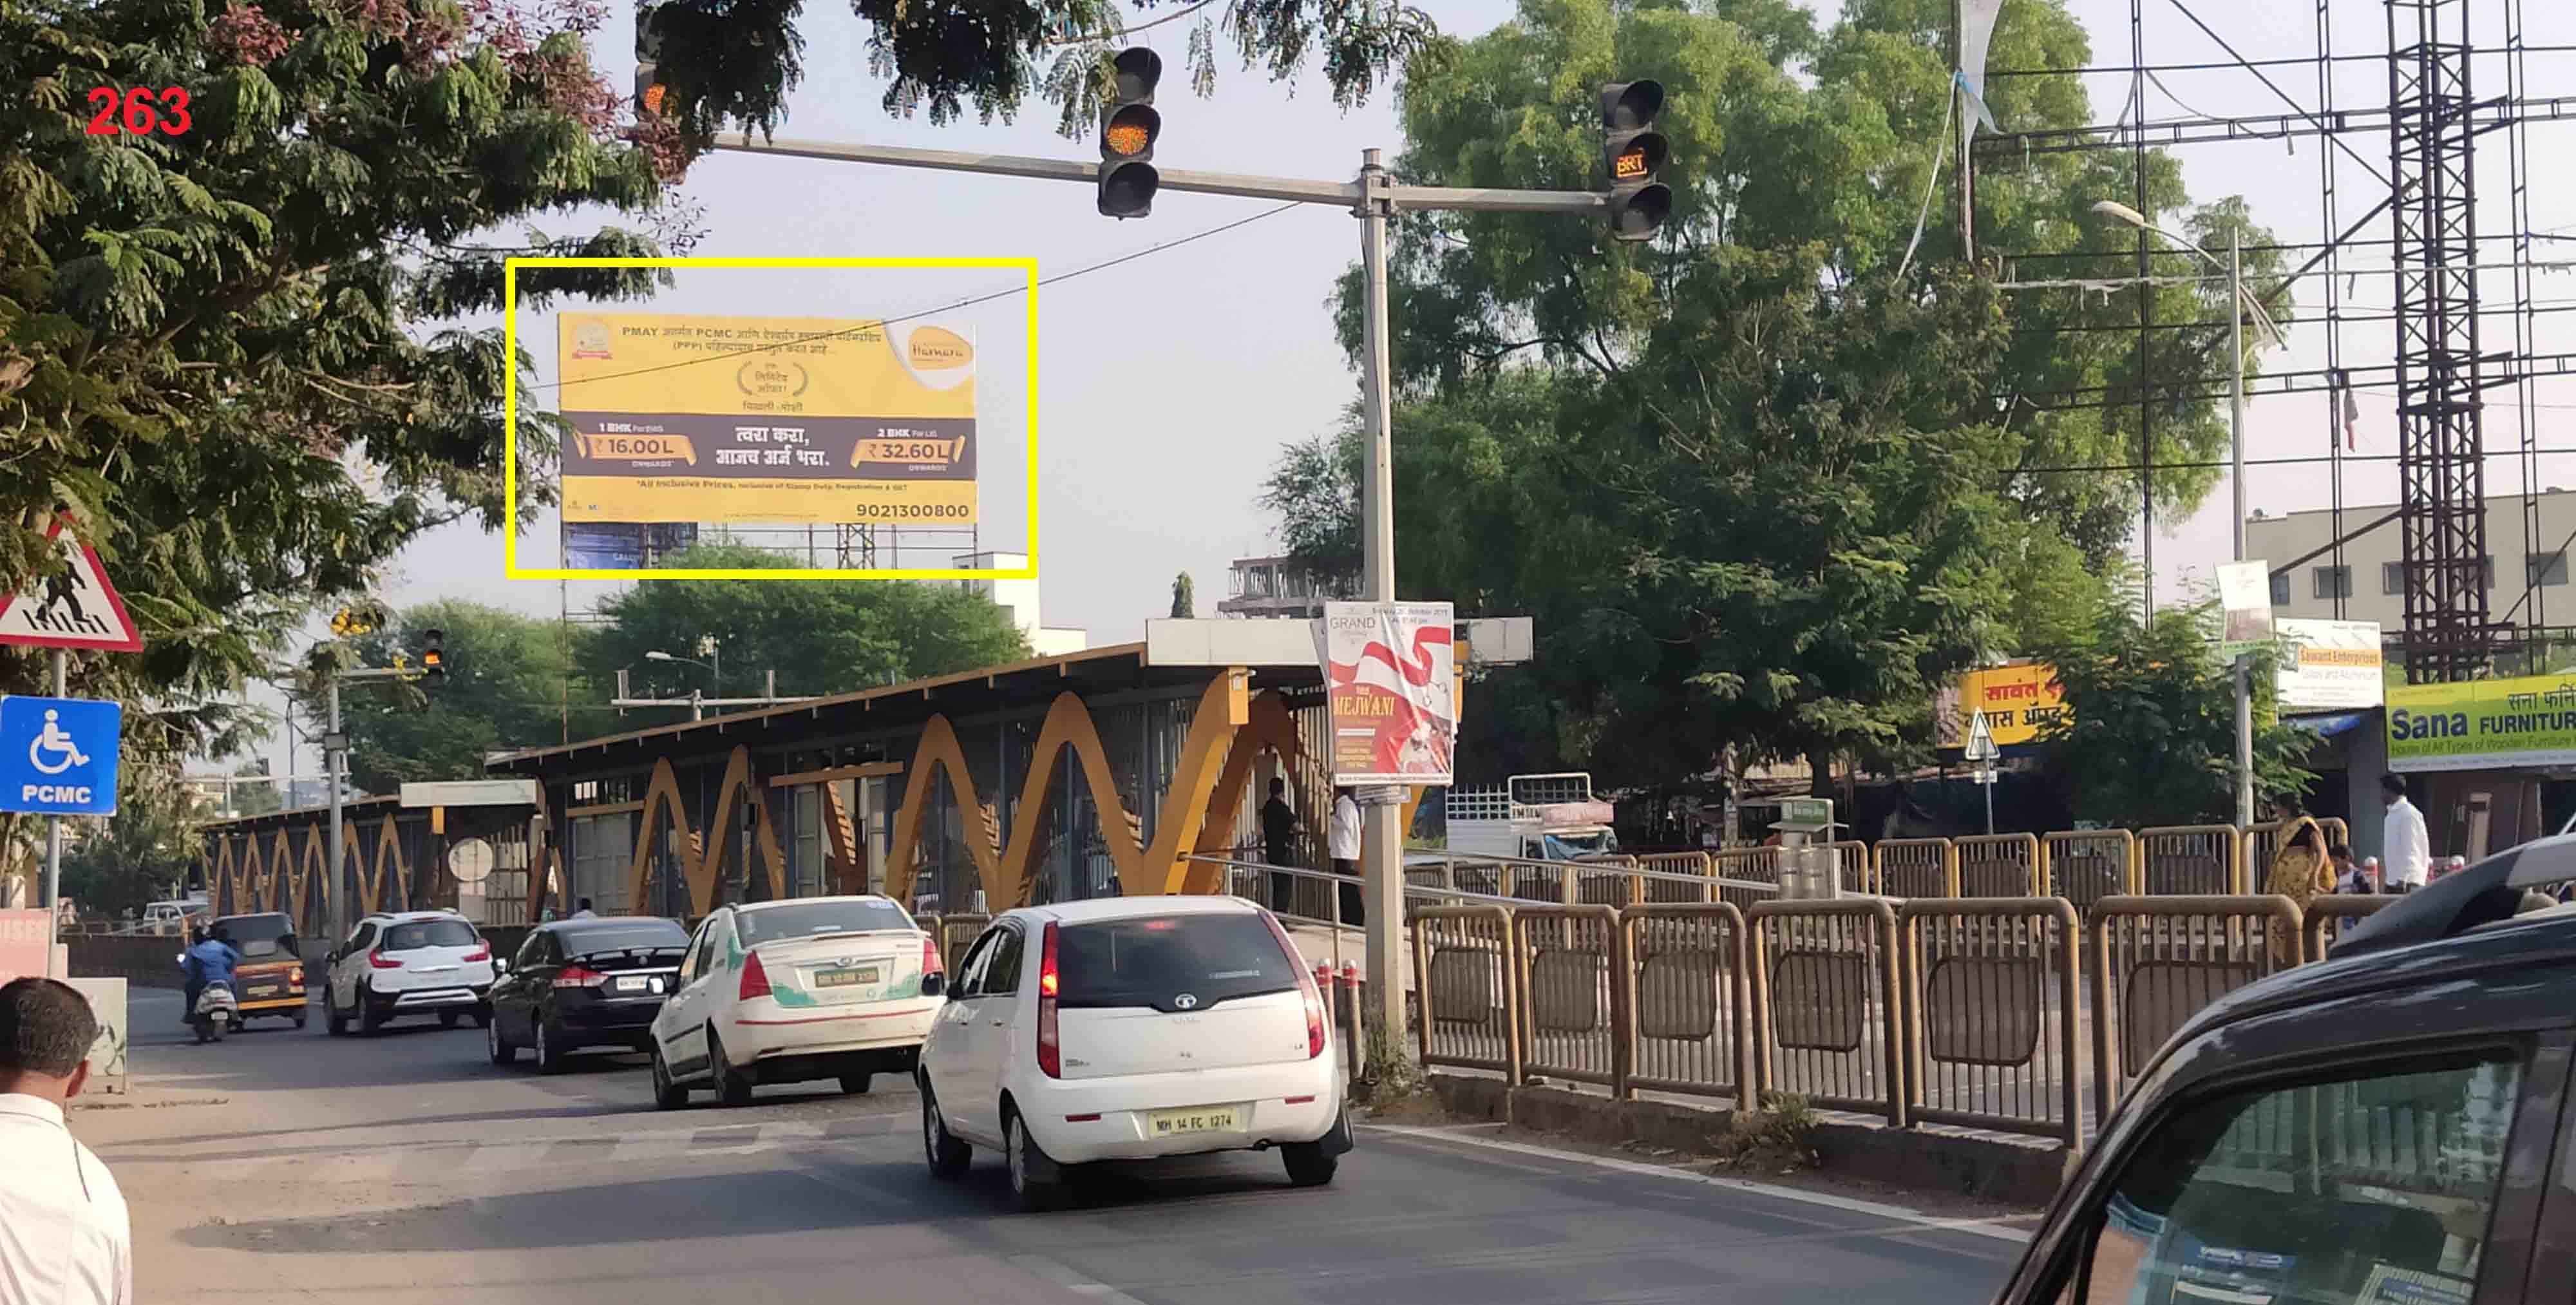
72,608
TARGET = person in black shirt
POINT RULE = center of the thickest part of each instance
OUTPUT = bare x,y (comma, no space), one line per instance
1279,841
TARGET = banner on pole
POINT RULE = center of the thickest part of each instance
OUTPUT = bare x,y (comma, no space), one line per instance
1391,683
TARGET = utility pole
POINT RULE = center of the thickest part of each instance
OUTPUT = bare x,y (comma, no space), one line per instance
1373,198
2236,461
54,837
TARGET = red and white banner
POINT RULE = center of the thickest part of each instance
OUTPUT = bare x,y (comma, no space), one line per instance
1390,672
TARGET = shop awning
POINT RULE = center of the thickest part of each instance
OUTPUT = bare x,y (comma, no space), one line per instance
2331,725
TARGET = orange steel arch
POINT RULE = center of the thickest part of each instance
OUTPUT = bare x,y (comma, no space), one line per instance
250,869
228,892
1141,871
282,870
1269,727
662,794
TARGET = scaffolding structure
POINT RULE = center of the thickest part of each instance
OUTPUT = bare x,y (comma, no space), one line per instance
2428,129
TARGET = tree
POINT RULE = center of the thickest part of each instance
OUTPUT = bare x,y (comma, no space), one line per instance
819,636
234,353
250,799
1184,598
144,850
2149,737
726,62
1752,485
511,683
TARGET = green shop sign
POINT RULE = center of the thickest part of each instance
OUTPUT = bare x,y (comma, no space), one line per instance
2483,724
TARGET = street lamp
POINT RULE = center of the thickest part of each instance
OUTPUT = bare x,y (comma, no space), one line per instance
2234,267
715,673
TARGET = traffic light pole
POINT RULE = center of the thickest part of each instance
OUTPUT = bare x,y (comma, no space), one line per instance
335,764
1373,198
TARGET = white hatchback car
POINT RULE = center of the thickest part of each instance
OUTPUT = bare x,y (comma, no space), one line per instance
790,991
1132,1029
409,963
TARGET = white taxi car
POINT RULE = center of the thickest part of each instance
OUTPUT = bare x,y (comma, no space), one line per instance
1132,1029
792,991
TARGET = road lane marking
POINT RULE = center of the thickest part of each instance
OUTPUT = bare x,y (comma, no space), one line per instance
1979,1227
1065,1276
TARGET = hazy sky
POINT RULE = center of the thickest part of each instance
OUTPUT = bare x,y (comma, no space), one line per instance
1167,385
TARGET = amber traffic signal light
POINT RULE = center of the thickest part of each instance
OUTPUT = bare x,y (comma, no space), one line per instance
1636,152
433,656
1128,126
650,90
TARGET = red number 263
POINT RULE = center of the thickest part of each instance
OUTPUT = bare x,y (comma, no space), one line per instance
138,112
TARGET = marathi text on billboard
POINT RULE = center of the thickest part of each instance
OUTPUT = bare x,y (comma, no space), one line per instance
2483,724
1390,676
2021,703
741,419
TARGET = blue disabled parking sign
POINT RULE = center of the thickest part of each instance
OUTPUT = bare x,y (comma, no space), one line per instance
58,755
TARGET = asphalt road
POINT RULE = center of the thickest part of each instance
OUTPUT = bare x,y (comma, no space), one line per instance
407,1167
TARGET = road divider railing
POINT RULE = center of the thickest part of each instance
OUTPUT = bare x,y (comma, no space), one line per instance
1467,988
1689,999
2087,865
2191,861
2157,961
1917,867
1991,1011
1825,999
2328,917
1574,978
2001,865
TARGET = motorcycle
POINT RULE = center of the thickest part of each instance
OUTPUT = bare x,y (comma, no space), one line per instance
217,1011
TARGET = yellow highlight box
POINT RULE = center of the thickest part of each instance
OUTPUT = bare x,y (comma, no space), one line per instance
1028,269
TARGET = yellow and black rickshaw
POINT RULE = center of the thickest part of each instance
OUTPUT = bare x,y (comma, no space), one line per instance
269,982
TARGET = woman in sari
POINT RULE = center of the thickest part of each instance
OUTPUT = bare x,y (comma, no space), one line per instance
2300,871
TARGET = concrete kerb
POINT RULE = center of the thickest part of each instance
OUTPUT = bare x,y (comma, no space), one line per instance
1916,1159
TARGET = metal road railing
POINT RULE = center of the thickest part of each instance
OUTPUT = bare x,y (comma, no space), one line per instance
2329,916
1468,989
2191,861
2158,960
1824,998
1573,963
1689,1003
1917,867
2001,865
2086,865
1990,1032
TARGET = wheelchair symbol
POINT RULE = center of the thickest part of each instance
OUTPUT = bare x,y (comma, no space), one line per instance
52,739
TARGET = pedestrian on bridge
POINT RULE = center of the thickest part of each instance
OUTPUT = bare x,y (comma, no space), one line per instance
65,1238
1279,841
1346,852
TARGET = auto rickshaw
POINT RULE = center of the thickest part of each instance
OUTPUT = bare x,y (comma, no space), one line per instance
269,982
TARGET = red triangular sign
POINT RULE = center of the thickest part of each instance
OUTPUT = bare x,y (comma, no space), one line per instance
75,608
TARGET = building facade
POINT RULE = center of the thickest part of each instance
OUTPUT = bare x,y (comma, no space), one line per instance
2526,578
1020,599
1280,587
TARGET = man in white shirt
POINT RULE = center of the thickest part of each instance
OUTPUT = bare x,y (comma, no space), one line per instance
1346,852
2409,846
64,1235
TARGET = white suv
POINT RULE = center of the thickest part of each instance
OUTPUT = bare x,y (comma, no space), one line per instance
409,963
1132,1029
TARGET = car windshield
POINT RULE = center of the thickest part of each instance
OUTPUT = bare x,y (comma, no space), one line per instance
807,919
428,933
1148,962
624,936
258,937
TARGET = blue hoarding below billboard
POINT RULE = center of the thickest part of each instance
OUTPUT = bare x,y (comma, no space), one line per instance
623,546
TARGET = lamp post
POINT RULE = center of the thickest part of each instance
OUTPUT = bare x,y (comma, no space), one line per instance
2239,305
697,700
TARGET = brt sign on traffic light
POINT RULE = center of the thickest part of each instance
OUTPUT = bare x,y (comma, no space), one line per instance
1636,152
1128,126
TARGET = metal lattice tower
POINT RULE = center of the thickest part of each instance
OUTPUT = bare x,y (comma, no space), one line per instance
2441,407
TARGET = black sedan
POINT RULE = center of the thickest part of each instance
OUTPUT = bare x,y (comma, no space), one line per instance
590,982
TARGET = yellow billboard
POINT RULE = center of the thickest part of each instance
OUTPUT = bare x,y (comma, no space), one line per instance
769,419
2019,701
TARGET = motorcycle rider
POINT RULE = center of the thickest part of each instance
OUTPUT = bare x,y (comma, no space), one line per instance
211,960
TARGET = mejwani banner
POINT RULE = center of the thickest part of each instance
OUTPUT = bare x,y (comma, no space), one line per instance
1391,686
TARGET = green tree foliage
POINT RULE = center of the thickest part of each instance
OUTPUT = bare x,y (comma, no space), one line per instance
1184,597
734,61
511,683
819,636
1752,485
146,849
2150,732
235,352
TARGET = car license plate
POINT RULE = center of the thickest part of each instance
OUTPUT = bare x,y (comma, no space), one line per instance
269,991
1196,1119
633,983
851,978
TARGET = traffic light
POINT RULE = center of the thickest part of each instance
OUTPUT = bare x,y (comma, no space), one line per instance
433,656
1128,126
650,90
1638,202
